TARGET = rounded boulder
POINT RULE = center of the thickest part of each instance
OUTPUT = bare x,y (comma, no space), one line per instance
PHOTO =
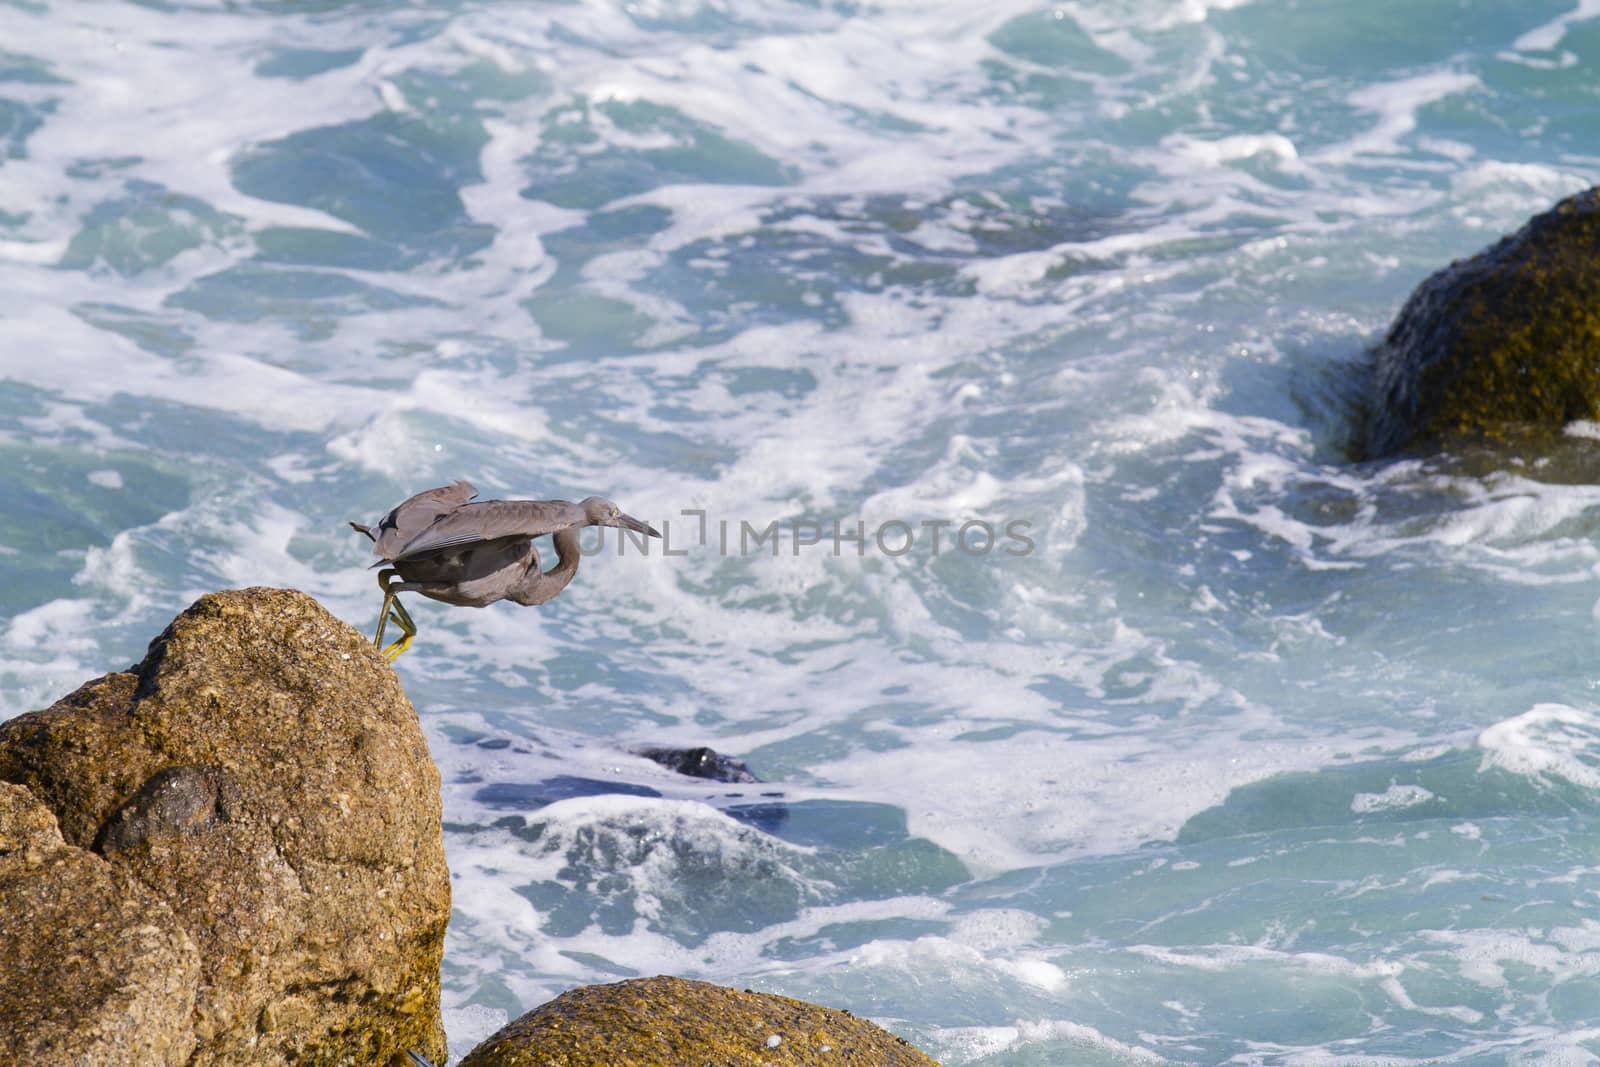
1502,346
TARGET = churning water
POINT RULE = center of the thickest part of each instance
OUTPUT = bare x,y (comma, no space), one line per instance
1239,753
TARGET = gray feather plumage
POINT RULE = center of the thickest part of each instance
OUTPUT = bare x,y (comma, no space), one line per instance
491,520
443,546
411,518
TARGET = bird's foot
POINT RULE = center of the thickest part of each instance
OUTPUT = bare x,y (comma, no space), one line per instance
392,610
408,630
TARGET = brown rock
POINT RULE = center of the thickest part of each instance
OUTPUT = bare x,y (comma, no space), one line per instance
96,972
673,1022
263,774
1501,347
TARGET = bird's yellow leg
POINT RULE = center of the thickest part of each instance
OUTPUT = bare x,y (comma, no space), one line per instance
393,609
408,629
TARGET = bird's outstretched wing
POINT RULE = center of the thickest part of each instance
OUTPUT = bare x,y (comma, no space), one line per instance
491,520
417,514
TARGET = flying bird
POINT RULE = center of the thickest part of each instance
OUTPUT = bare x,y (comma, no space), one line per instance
442,544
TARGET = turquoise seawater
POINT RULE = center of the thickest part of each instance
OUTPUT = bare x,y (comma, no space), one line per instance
1243,754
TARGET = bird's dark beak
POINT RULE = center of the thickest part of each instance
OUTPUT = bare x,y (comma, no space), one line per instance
628,522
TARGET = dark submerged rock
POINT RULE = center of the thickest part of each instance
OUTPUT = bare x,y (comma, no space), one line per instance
663,1020
260,788
701,762
1499,347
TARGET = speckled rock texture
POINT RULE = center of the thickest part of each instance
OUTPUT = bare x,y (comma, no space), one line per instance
673,1022
1502,346
258,796
115,984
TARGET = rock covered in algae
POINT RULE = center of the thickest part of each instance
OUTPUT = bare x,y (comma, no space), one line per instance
674,1022
260,789
1500,346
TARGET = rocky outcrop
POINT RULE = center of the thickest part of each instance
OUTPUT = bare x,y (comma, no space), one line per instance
114,983
230,854
649,1021
1501,346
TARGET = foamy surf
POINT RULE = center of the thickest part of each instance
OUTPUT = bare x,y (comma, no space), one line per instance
1256,755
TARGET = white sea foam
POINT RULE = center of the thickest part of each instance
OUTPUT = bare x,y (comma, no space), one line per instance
1547,741
1082,279
1395,105
470,1025
964,1044
1024,783
1549,36
60,625
1394,798
1499,194
1232,149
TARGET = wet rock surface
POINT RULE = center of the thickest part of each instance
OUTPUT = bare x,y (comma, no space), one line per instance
701,762
1502,346
259,789
649,1021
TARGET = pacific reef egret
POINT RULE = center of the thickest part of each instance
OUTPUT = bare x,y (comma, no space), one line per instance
445,546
